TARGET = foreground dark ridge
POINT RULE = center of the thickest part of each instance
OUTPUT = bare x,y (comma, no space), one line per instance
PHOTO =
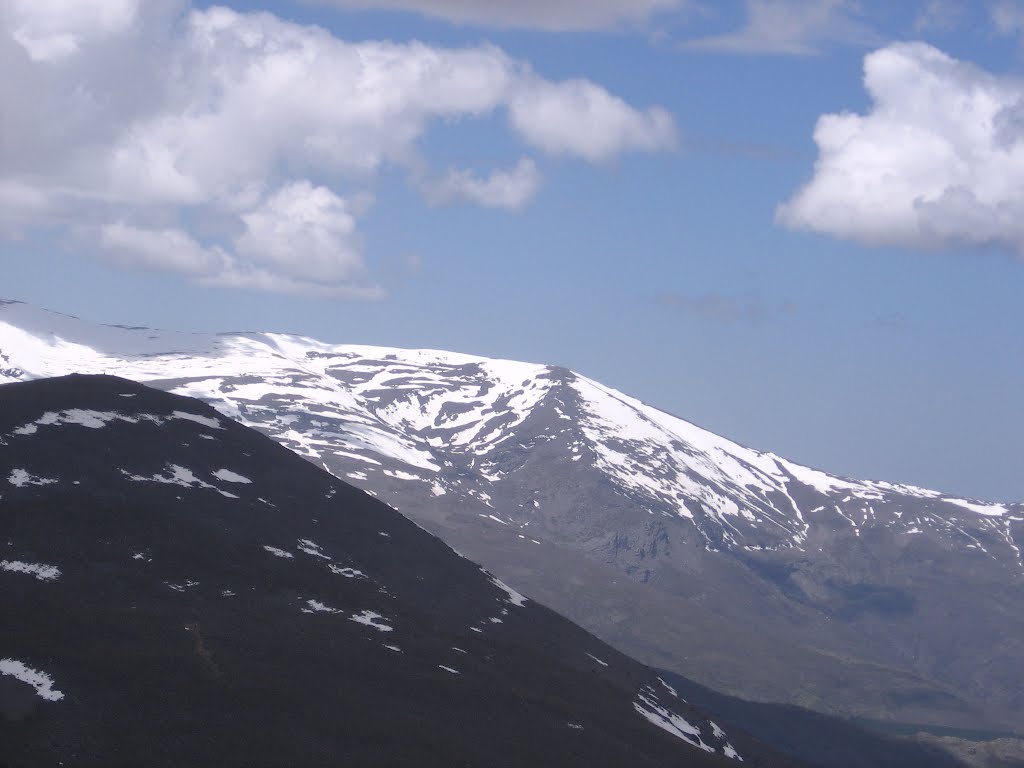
179,590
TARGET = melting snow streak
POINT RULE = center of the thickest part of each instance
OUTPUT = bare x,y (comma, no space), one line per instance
20,478
369,618
278,552
41,681
40,571
654,713
513,597
231,477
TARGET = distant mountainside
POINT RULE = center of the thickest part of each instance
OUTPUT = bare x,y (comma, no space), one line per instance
179,590
739,569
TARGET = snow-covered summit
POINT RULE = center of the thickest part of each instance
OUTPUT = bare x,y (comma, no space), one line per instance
448,423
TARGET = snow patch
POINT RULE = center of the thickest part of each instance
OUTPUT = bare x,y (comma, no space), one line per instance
349,573
669,688
189,583
82,417
92,419
206,421
514,598
317,606
311,548
40,571
41,681
370,619
177,475
990,510
648,706
19,478
399,475
278,552
231,477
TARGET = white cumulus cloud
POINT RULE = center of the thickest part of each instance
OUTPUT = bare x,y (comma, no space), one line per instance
937,162
151,119
309,220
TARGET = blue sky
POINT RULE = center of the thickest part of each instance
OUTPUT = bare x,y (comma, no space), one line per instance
799,223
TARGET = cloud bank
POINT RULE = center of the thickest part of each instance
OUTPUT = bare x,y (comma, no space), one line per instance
540,14
792,27
936,163
241,150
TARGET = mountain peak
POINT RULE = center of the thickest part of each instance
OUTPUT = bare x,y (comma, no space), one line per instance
527,467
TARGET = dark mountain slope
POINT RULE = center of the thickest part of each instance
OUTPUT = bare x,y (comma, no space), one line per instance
812,737
176,589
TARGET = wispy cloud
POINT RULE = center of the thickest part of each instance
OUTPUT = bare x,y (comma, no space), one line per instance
939,15
1008,16
510,189
540,14
792,27
891,320
746,149
723,308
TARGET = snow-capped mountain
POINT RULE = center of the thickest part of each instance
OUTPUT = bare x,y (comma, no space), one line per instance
455,423
562,486
179,590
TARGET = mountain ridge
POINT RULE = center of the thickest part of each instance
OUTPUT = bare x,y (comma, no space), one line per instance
497,455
